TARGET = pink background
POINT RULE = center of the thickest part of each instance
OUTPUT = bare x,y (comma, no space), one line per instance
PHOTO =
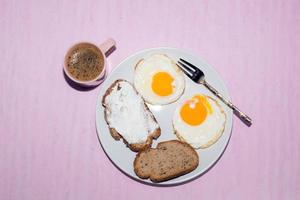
49,147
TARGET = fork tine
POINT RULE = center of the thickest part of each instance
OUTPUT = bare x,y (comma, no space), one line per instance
187,68
189,64
184,70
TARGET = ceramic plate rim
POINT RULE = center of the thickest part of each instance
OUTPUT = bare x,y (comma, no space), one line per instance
179,180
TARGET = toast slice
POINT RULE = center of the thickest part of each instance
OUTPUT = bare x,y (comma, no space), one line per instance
170,159
128,117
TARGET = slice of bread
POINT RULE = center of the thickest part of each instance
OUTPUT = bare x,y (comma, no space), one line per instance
168,160
128,117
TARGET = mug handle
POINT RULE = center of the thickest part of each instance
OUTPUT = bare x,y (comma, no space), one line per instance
107,45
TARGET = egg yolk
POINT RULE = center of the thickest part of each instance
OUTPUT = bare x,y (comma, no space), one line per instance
162,84
195,110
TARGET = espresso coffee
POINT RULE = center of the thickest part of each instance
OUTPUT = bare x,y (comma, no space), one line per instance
84,62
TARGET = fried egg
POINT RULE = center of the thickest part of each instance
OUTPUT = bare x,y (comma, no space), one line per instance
159,80
199,121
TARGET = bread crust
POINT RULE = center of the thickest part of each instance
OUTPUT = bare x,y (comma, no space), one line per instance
136,147
148,155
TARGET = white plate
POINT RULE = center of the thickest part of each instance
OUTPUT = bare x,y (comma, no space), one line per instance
122,156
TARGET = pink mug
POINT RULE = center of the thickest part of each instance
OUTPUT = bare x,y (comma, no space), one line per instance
102,50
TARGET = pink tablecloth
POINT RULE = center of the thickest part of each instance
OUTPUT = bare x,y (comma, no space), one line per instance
49,147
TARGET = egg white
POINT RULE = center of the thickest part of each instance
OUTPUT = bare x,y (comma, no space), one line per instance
147,68
205,134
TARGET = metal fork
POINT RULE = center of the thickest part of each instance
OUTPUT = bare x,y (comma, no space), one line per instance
197,76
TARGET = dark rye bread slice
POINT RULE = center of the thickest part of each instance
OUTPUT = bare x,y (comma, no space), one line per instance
115,134
168,160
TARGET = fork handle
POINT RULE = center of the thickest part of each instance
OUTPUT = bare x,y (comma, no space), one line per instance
246,119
